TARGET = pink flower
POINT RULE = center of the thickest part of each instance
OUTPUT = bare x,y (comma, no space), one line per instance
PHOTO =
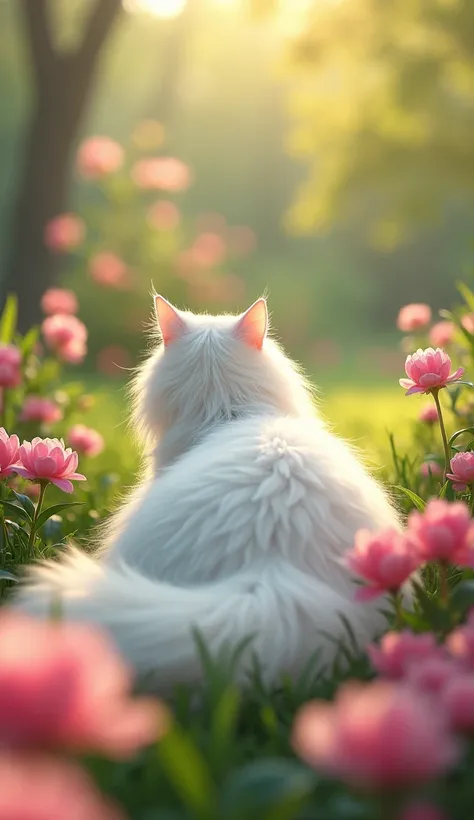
422,811
398,650
385,560
163,215
48,460
460,644
431,674
431,468
86,441
462,475
348,739
428,369
64,233
209,250
428,414
109,270
161,173
113,360
99,156
9,449
63,686
10,361
443,532
73,352
467,322
442,334
413,317
42,788
39,408
56,300
66,335
457,701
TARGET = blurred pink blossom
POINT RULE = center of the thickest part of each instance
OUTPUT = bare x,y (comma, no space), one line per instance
10,361
431,468
66,335
398,650
443,532
467,322
43,788
57,300
85,440
413,317
113,360
161,173
163,215
428,369
442,334
64,233
430,675
428,414
385,560
42,409
48,460
457,701
462,471
347,739
9,450
422,810
209,250
73,352
110,270
460,644
99,156
63,686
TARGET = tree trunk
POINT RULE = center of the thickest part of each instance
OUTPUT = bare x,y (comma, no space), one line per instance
62,83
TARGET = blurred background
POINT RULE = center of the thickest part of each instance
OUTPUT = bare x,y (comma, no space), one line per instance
319,150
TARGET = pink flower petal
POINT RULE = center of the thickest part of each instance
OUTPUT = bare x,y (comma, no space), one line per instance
63,484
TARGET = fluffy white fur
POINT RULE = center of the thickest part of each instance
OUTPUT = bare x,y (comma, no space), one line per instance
242,525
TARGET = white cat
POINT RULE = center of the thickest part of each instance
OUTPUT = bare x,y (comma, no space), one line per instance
242,525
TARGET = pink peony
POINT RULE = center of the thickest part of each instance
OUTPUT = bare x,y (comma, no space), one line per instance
113,360
73,352
462,475
398,650
422,810
56,300
457,701
209,250
63,686
428,414
443,532
163,215
431,468
442,334
347,739
110,270
41,788
427,370
431,674
460,644
161,173
62,329
413,317
385,560
64,233
39,408
10,362
9,450
99,156
48,460
86,441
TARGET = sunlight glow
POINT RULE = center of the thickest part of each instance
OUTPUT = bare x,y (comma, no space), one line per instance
158,8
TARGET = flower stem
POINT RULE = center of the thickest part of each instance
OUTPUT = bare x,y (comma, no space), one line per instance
43,486
447,451
443,583
397,604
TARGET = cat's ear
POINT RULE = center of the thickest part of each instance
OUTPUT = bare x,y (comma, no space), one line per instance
170,321
253,325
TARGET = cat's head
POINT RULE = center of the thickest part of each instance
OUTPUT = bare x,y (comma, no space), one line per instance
215,368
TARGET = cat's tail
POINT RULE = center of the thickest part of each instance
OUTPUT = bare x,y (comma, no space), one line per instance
289,614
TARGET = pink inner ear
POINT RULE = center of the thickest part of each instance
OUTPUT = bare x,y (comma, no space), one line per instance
171,324
252,327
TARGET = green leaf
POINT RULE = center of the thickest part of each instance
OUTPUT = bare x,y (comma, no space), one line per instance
26,503
437,616
29,340
460,433
15,508
462,596
275,786
8,319
466,294
187,770
414,498
7,576
56,508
